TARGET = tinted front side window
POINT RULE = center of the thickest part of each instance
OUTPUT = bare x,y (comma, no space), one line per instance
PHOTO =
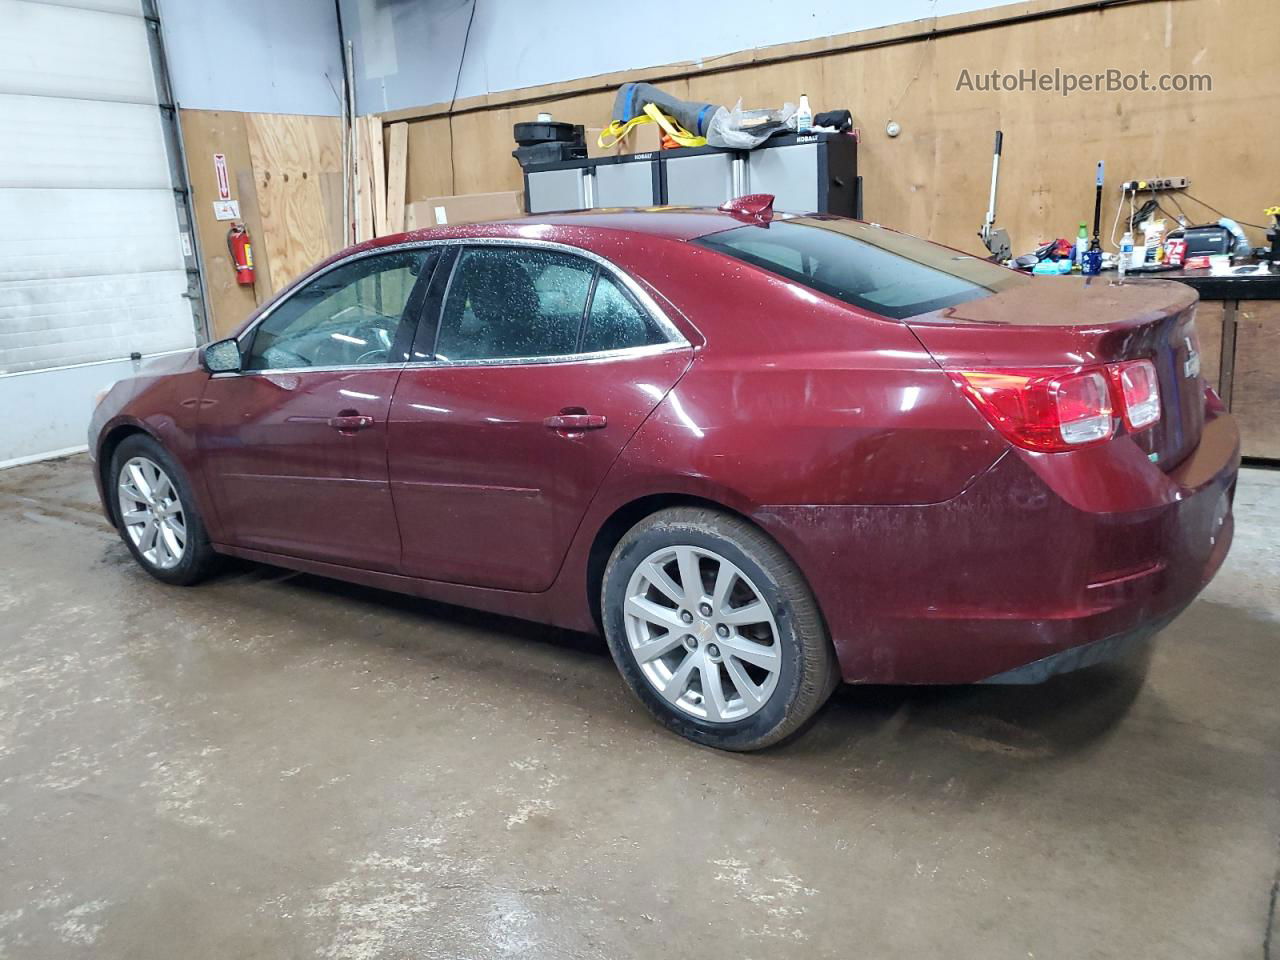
347,317
888,273
506,302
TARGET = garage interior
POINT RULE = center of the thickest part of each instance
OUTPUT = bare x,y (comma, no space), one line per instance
277,764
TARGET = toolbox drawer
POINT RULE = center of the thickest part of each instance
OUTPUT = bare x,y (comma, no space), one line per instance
548,191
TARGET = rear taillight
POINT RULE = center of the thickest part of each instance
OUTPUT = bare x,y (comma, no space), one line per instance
1045,410
1212,402
1138,391
1051,410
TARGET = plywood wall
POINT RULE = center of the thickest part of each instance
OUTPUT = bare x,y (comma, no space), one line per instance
933,178
297,167
286,174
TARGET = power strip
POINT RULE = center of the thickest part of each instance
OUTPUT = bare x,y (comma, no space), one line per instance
1155,183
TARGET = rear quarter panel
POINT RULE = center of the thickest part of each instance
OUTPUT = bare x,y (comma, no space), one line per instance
791,400
796,398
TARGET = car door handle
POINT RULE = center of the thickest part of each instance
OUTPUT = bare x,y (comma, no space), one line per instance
350,422
572,422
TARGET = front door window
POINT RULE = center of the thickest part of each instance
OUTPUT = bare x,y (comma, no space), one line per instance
349,316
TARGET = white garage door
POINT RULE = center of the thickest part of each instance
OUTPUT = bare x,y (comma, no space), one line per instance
91,266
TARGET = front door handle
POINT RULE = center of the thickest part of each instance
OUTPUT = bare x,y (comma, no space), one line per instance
573,422
350,422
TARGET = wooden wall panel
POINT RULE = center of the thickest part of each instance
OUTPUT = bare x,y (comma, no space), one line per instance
291,156
1255,392
397,159
933,178
247,193
482,162
378,171
430,153
331,193
1209,318
206,132
363,181
286,174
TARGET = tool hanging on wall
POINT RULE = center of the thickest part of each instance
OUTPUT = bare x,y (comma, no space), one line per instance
1091,260
241,251
995,238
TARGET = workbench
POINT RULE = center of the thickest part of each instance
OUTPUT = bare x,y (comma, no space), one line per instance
1238,324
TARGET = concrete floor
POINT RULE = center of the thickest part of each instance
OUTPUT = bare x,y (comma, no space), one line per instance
275,765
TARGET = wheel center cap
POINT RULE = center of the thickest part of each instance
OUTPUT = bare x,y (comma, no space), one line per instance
703,631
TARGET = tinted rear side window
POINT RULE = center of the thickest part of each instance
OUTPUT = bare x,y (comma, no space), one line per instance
888,273
615,322
507,302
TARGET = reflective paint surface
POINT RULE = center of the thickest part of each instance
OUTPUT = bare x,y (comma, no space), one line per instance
936,550
485,491
287,479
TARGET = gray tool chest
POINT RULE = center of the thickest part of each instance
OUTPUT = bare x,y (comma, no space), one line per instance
806,173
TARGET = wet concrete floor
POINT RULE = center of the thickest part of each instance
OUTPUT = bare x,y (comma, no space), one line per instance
277,765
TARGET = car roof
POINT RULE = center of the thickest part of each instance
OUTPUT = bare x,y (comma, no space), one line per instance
681,223
675,223
583,229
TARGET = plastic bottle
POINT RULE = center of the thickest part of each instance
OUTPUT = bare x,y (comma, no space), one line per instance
1125,260
1082,244
1152,241
804,116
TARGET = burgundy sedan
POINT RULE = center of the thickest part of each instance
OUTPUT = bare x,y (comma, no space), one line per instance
763,454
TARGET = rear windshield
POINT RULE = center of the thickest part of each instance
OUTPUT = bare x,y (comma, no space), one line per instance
879,270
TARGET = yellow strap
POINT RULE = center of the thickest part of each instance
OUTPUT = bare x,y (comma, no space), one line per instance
616,132
676,132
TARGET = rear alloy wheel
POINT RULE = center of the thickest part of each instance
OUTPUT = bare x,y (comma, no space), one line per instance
715,630
155,514
710,651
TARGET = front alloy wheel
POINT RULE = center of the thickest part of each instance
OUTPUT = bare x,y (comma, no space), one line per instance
155,513
151,513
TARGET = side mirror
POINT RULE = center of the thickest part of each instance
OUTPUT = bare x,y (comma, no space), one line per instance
222,357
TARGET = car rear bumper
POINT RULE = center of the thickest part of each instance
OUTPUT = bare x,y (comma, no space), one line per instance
1044,563
1085,655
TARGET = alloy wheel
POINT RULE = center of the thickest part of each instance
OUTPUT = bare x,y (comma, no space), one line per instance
702,633
151,513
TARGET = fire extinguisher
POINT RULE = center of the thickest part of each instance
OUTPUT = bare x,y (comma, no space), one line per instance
241,253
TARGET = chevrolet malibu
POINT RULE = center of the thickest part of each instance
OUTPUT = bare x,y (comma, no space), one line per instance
761,453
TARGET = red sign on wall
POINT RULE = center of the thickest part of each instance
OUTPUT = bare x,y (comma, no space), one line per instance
224,181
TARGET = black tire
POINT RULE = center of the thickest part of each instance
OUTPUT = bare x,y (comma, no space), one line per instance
808,671
198,560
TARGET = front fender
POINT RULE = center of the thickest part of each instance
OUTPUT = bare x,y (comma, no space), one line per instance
166,408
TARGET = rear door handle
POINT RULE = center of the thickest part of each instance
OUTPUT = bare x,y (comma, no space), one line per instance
572,422
350,422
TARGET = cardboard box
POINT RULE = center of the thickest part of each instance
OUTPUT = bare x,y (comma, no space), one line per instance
643,138
464,208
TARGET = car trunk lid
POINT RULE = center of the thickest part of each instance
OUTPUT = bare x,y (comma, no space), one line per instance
1084,322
